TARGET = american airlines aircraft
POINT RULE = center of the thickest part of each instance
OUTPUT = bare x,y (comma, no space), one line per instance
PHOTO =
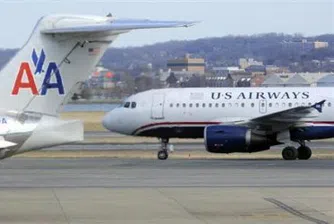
58,56
229,119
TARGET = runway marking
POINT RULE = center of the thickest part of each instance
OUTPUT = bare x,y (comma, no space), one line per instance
294,211
61,207
181,206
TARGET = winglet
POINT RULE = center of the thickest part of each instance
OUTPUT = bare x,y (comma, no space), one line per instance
318,106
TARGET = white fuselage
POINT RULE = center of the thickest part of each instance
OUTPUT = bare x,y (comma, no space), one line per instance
184,112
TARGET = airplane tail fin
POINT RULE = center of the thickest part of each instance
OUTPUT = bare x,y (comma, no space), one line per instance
61,53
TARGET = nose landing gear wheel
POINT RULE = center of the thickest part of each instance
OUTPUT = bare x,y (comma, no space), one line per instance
304,153
162,155
290,153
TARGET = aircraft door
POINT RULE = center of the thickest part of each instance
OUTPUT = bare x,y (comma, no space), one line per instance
157,111
263,106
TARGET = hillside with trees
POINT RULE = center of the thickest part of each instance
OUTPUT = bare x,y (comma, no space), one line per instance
218,51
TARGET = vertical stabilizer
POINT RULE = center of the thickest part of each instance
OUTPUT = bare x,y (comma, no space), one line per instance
60,53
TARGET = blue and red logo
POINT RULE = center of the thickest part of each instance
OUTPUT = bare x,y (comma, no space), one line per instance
25,79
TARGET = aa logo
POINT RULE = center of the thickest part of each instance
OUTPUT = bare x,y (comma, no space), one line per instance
25,78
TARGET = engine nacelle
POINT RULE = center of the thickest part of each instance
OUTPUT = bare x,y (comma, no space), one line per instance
228,139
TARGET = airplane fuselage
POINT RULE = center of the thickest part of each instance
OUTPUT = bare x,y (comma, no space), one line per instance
184,113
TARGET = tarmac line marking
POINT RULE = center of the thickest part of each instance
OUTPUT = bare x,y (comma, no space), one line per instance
294,211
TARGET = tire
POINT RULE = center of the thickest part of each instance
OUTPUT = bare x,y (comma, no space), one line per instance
290,153
162,155
304,153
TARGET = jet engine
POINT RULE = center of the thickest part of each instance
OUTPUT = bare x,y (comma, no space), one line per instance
228,139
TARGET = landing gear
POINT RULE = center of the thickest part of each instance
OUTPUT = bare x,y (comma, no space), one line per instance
303,152
290,153
163,153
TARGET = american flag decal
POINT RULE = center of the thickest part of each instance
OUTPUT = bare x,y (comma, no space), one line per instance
93,50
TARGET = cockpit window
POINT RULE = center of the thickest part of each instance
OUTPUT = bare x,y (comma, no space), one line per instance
127,105
133,105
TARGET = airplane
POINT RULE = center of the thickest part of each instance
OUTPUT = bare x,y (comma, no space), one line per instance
58,57
230,120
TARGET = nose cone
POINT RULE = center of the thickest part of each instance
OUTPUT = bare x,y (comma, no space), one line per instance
107,121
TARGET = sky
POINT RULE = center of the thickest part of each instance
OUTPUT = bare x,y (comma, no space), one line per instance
218,17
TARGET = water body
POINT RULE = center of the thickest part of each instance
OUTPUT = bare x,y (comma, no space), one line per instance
105,107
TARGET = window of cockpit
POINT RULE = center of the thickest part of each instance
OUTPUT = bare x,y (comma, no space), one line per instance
133,105
127,105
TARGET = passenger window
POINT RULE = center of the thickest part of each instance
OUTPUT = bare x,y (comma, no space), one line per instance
303,104
283,104
210,104
191,105
230,105
127,105
223,104
197,104
217,105
171,105
252,104
184,105
270,104
177,105
133,105
277,105
310,104
203,105
242,105
290,104
329,104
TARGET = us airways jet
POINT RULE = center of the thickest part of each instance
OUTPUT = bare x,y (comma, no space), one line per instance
58,56
229,119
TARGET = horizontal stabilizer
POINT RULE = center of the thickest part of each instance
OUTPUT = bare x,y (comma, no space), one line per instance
67,26
6,144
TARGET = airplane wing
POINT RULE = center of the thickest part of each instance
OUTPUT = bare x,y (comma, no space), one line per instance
5,144
284,119
116,25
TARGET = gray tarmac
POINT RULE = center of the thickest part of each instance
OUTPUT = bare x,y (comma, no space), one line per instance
328,145
101,190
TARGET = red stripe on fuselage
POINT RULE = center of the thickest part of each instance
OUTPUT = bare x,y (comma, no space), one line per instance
173,123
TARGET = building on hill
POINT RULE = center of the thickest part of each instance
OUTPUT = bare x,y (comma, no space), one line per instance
293,79
270,69
326,81
219,81
256,69
187,64
246,62
227,70
320,44
304,45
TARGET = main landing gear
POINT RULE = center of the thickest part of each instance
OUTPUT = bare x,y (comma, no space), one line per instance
302,152
163,153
